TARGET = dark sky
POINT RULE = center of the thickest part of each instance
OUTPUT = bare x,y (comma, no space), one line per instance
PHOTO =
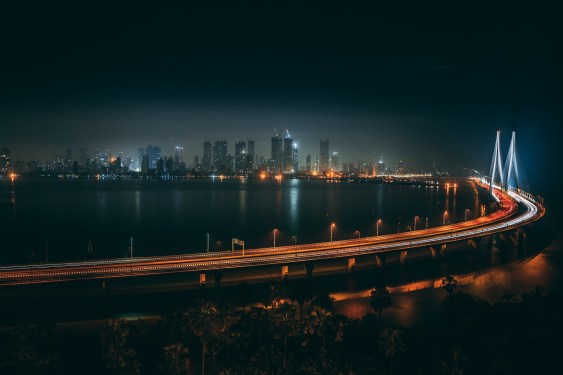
404,81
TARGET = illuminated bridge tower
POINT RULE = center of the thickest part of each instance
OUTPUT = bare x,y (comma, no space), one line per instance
496,165
511,166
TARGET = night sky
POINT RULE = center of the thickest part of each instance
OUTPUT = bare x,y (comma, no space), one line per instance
406,82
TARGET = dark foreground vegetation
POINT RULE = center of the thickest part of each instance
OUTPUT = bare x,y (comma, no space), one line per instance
295,331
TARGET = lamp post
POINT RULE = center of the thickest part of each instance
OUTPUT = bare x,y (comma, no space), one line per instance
358,232
466,211
415,219
294,240
444,220
275,230
331,227
377,226
131,247
399,226
426,222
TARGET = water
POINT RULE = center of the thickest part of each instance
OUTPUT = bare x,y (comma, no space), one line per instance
58,218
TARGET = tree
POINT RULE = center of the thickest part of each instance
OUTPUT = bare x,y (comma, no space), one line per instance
119,356
449,283
286,326
203,323
176,359
380,299
317,322
391,342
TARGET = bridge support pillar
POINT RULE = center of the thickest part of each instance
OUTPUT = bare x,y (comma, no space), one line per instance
217,276
201,279
520,238
284,272
438,250
380,259
309,266
403,257
351,264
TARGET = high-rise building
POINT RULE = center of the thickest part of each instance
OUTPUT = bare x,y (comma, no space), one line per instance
381,167
308,163
295,158
5,166
334,161
220,162
68,159
287,154
277,154
84,156
206,160
153,153
324,156
240,156
179,154
145,164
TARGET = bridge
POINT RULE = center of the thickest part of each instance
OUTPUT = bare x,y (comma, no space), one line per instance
517,208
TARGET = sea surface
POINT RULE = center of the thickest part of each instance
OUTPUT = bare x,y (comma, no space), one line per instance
58,219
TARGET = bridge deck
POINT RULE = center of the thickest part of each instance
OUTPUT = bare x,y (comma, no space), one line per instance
509,216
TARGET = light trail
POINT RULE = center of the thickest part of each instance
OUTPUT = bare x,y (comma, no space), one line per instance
506,218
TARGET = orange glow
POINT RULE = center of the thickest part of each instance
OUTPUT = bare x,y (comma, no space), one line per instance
13,176
263,175
279,177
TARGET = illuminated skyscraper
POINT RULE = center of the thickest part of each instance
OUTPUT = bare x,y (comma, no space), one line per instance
5,165
240,156
220,162
277,154
287,154
323,156
206,160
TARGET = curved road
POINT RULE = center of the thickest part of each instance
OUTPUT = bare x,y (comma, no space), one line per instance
516,210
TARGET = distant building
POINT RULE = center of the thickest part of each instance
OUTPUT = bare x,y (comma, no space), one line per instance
250,155
240,156
206,159
84,157
381,167
153,152
324,156
145,164
334,161
5,165
277,154
220,161
287,154
308,163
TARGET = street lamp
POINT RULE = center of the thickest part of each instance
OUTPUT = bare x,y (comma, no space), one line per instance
466,211
399,226
275,230
444,220
358,232
415,219
426,222
377,226
294,240
331,227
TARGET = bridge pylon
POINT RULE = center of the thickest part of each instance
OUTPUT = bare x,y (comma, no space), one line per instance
511,165
496,165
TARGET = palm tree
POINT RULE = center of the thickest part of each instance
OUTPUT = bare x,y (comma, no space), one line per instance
286,326
318,321
380,299
176,359
119,356
391,342
449,283
203,322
